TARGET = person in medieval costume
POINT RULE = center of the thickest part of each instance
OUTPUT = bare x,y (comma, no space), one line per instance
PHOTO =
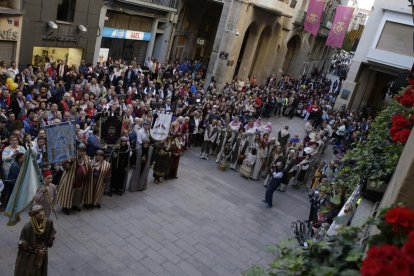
36,237
260,159
239,151
216,143
247,166
225,139
176,152
75,177
139,177
270,147
302,169
46,195
101,171
210,135
119,165
250,131
234,127
289,170
162,160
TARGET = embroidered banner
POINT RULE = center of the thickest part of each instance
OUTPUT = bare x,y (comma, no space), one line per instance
61,143
111,128
314,16
340,25
160,128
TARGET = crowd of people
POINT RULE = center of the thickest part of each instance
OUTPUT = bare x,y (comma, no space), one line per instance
227,124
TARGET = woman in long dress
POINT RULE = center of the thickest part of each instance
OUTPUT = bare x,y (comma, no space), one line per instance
260,158
176,152
247,166
139,177
162,160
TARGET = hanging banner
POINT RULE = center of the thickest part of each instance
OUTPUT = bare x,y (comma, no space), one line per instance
340,25
314,16
61,142
111,128
160,128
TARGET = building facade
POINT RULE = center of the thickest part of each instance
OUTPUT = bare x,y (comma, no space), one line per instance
135,30
10,30
257,38
384,51
59,30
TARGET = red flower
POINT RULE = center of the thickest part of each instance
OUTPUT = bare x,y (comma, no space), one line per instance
411,82
408,248
401,136
387,260
400,217
400,121
406,100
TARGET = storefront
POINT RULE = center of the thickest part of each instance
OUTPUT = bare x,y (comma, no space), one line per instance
10,30
42,55
125,44
125,36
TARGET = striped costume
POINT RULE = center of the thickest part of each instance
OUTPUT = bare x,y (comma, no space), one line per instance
94,190
74,179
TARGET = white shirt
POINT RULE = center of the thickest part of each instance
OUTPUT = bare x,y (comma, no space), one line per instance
141,135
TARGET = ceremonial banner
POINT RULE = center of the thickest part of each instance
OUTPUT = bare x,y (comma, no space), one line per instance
24,189
160,128
111,128
314,16
340,25
61,145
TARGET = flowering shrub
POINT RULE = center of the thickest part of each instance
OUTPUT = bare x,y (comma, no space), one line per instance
401,128
392,252
407,98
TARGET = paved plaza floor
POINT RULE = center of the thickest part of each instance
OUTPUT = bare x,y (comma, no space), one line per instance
206,222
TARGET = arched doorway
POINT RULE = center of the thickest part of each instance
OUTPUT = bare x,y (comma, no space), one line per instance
292,52
260,54
247,46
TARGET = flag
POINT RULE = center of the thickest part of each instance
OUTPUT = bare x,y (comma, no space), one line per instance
160,127
340,25
314,16
111,129
25,188
61,142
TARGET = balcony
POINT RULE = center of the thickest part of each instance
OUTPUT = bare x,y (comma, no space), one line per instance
278,7
165,5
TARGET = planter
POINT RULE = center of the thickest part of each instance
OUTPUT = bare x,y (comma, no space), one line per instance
374,194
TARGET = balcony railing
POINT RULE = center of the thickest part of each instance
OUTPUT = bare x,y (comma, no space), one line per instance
166,3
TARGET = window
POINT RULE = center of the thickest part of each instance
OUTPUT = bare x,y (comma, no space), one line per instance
396,38
66,10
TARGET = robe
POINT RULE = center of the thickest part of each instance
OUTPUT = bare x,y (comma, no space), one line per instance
139,177
28,261
72,184
94,191
46,198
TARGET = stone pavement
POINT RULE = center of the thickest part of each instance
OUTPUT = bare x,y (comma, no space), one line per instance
206,222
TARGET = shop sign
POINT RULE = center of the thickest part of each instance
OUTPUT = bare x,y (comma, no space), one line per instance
61,38
201,41
9,29
125,34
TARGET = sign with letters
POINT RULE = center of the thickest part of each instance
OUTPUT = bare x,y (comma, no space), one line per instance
9,28
125,34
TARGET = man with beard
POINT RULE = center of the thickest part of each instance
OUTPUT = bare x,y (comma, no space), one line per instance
139,177
75,177
101,170
36,236
119,165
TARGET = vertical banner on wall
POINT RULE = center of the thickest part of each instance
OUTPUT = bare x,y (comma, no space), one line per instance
340,25
314,16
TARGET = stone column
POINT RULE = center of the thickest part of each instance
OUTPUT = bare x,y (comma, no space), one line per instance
217,41
150,48
101,25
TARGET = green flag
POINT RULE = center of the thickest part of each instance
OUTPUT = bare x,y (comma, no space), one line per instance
25,188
